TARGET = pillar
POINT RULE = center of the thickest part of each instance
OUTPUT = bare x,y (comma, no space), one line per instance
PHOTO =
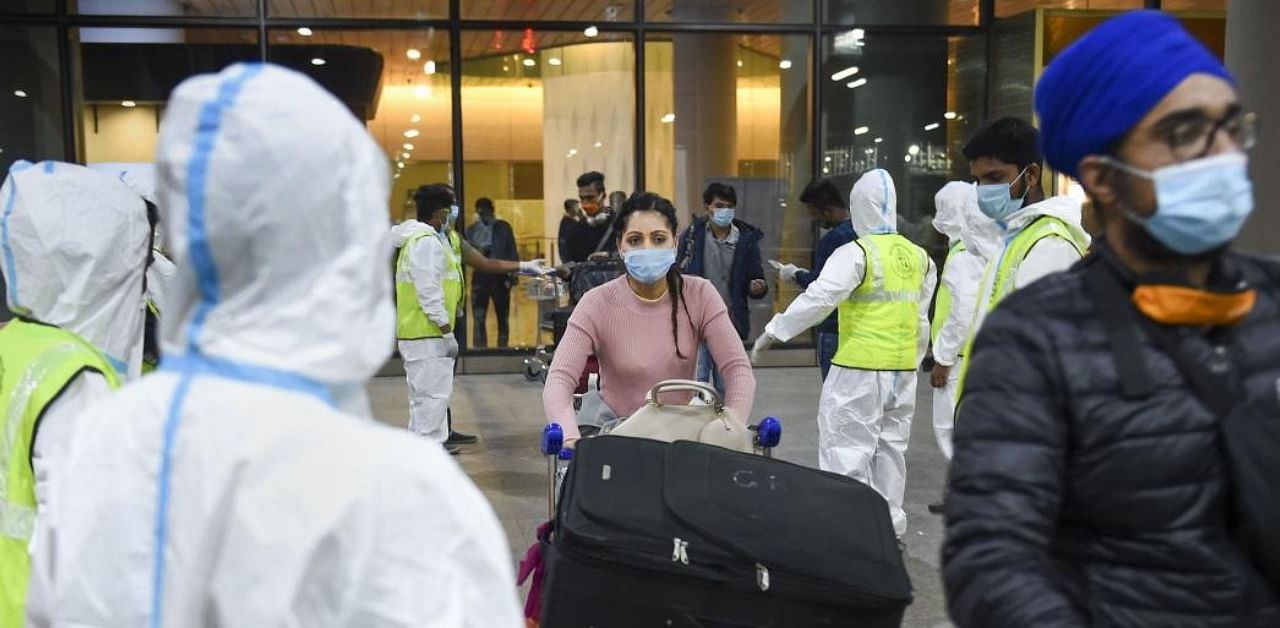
1252,48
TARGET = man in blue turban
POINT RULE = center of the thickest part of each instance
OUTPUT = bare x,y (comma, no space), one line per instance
1094,482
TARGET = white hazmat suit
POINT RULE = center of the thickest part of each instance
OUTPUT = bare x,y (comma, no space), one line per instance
234,487
957,205
74,243
428,362
864,417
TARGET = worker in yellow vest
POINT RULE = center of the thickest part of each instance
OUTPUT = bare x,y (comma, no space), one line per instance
429,291
74,252
1041,235
881,284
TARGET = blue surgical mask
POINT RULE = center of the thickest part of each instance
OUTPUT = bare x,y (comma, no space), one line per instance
1200,204
722,216
995,200
649,266
453,215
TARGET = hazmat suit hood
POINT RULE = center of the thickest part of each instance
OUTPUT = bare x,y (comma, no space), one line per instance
873,204
1063,207
407,229
280,233
74,253
952,203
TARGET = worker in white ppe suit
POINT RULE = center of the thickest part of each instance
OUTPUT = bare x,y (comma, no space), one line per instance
957,208
74,249
881,284
243,483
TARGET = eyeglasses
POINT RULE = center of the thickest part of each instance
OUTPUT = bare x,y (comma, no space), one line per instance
1193,138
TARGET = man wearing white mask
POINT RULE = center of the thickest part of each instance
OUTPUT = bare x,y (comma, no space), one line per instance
243,483
881,284
74,247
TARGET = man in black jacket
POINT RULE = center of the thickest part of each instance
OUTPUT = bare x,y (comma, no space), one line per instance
1081,494
726,252
495,240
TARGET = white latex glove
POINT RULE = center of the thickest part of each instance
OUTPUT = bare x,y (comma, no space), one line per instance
451,345
535,267
762,343
786,271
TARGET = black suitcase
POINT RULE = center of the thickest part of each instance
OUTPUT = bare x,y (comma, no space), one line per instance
651,534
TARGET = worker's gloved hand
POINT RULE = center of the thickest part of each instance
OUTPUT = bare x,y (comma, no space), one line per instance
450,345
535,267
786,271
762,343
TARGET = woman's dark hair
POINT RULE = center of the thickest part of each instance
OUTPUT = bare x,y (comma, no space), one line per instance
650,202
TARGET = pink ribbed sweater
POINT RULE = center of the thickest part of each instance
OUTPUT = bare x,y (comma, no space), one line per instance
633,342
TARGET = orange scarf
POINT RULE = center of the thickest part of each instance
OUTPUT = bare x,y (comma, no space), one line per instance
1180,305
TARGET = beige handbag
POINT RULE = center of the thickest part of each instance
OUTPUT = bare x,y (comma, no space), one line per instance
711,423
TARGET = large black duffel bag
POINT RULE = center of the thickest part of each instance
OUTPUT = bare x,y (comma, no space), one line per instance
691,535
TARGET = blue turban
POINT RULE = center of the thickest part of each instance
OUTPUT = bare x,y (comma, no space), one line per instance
1107,81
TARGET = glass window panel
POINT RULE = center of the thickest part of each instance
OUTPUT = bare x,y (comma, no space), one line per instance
735,109
1006,8
30,95
902,12
420,9
728,11
1194,5
127,75
539,109
535,10
909,108
203,8
27,6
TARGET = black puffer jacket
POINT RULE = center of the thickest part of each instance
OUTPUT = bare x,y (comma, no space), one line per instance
1071,505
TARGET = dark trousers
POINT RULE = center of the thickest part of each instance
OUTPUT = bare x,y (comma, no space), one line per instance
499,292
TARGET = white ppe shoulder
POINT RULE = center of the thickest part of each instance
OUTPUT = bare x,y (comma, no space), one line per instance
1050,255
926,297
57,426
841,275
427,268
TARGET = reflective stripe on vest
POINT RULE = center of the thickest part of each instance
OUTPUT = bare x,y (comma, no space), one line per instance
1005,271
880,321
36,363
411,322
942,308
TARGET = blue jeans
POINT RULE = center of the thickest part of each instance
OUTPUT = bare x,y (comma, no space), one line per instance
827,345
707,371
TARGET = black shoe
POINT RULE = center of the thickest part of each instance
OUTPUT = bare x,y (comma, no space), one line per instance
458,438
452,450
938,508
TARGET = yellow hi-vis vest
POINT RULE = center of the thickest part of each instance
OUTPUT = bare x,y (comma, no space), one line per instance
880,321
411,322
1005,271
942,308
36,363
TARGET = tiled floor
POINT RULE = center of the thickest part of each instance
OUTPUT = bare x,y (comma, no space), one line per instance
507,414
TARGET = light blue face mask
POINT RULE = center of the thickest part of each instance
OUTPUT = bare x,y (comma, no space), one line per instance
722,216
649,266
453,216
1200,204
995,200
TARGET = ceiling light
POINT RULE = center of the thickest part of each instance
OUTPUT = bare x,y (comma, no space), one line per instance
429,67
785,64
598,144
415,118
858,83
413,53
862,130
128,103
906,158
318,61
931,126
19,93
505,68
591,31
528,63
573,151
553,61
845,73
408,146
914,149
667,118
826,170
827,158
950,115
405,155
739,62
879,139
412,133
422,91
400,164
304,31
